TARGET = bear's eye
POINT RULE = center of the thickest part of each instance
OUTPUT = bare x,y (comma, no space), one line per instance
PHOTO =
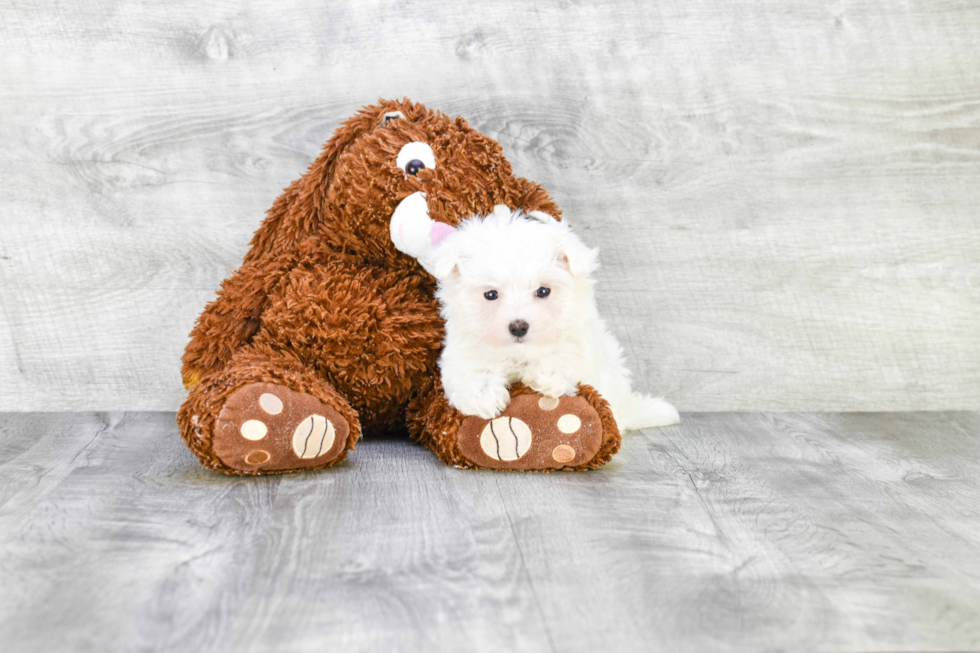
542,292
491,295
414,157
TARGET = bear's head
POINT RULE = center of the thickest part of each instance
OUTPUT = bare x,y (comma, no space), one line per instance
391,182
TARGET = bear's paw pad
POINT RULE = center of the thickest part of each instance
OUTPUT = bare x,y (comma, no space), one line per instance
265,427
534,433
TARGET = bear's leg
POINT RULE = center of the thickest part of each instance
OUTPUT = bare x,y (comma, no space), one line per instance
267,413
533,433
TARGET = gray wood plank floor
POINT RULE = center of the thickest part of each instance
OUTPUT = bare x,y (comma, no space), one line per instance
728,532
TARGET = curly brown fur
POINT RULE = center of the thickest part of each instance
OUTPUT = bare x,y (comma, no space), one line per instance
323,302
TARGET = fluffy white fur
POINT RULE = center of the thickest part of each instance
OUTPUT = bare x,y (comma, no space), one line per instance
567,342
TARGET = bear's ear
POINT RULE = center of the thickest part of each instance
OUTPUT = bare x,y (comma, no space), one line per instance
297,213
580,259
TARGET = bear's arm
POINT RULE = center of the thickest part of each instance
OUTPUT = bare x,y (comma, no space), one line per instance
233,318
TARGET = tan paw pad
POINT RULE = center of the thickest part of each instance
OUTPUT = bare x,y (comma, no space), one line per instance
548,403
313,437
563,453
569,423
505,438
270,403
258,457
253,430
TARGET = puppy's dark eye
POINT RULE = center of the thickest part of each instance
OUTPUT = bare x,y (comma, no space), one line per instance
413,167
542,292
491,295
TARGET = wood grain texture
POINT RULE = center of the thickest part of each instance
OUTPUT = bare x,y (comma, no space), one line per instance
730,532
785,193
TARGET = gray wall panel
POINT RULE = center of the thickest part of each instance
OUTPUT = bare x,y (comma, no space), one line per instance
785,193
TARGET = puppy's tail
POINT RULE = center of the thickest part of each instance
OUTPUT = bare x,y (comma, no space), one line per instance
637,411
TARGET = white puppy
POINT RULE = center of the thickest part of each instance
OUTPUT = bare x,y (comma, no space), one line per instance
517,296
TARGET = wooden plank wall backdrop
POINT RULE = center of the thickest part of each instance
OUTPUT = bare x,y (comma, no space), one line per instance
786,192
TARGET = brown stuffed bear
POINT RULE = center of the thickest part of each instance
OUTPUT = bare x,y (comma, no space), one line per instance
328,329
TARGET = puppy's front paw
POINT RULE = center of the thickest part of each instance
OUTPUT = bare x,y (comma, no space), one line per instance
487,401
550,384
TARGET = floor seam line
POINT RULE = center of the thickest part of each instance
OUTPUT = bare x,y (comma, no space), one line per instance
527,574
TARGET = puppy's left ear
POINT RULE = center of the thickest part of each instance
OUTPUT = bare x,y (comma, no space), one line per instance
580,259
542,217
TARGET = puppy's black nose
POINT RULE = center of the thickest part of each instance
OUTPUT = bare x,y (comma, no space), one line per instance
518,328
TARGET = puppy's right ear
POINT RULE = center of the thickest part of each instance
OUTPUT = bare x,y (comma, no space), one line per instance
580,259
444,260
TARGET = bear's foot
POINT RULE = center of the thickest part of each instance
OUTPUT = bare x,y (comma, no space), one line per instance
265,427
533,433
